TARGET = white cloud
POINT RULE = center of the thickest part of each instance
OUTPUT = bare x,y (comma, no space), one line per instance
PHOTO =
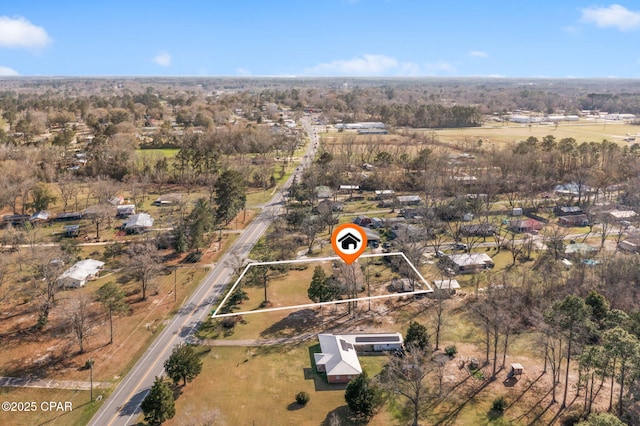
243,72
163,59
439,66
478,54
7,72
365,65
613,16
20,33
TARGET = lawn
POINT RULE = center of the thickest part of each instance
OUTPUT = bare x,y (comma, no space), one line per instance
158,152
249,385
80,414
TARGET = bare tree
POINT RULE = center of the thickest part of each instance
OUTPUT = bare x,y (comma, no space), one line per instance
81,323
46,267
405,376
144,264
68,190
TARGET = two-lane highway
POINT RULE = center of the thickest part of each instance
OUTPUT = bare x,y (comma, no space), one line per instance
123,406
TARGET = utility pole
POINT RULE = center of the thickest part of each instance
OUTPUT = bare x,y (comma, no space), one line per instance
90,362
175,279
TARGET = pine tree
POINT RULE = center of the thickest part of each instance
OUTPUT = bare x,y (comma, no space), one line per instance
159,405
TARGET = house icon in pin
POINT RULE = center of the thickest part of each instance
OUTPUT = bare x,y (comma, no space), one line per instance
348,240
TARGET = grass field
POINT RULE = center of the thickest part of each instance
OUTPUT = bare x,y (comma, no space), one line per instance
257,385
583,131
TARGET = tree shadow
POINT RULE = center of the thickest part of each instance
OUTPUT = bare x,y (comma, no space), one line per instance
342,416
524,391
450,417
292,325
294,406
131,406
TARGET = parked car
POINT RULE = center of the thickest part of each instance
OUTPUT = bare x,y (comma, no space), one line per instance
460,246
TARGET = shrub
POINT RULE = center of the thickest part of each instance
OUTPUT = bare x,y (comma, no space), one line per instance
499,405
451,350
302,398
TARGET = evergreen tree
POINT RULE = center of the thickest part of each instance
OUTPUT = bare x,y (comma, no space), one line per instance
183,364
159,405
231,195
417,336
362,396
112,298
322,288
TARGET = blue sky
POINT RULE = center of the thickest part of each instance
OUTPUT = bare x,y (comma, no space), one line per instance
320,38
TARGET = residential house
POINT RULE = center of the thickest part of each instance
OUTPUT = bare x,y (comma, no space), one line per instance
408,200
167,199
81,272
478,230
525,225
374,342
579,249
574,220
68,216
125,210
567,211
621,215
39,217
384,194
323,191
338,359
15,219
348,189
469,263
362,221
138,223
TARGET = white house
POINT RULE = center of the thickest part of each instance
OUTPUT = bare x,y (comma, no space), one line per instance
138,223
339,356
338,359
81,272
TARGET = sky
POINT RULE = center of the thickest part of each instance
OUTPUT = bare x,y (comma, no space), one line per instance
391,38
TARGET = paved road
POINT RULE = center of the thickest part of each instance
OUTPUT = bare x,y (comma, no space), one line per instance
123,406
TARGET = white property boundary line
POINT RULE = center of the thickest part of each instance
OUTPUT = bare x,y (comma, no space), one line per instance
308,305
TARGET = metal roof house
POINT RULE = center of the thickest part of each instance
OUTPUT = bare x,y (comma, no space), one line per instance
138,223
125,210
81,272
470,263
338,359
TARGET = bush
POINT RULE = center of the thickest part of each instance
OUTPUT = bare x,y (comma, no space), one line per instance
451,350
499,405
302,398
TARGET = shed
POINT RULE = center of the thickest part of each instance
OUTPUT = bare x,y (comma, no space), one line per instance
449,284
71,231
516,369
125,210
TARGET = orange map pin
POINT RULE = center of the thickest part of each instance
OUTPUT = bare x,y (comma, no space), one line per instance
349,241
